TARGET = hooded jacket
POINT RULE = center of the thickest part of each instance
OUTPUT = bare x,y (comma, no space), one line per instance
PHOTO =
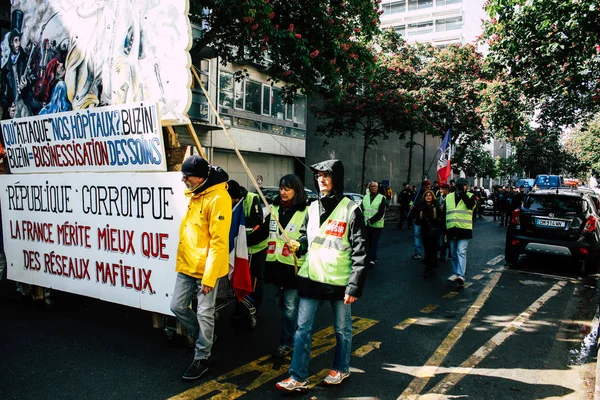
203,250
356,236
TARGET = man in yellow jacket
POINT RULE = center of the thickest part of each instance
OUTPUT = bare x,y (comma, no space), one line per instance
202,255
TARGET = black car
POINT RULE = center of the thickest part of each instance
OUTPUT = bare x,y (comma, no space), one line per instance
559,222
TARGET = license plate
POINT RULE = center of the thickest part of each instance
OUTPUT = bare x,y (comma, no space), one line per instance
550,223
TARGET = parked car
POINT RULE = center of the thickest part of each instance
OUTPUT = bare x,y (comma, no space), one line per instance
355,197
561,222
546,181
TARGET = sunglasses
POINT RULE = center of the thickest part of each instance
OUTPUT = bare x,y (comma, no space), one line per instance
322,175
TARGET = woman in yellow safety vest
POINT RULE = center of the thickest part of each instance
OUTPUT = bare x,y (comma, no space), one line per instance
290,210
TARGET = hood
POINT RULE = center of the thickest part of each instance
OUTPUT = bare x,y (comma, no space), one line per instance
216,175
336,169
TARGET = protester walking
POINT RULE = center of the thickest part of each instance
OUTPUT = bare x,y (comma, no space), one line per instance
425,185
334,271
202,255
373,206
459,228
429,218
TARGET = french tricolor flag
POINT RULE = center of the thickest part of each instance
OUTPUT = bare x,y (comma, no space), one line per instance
239,268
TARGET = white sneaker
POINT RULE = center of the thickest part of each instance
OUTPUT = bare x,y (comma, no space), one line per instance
460,281
452,278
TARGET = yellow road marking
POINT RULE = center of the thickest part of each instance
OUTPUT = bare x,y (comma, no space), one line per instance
429,308
449,295
468,284
424,375
406,323
267,367
487,270
477,277
317,378
366,349
466,367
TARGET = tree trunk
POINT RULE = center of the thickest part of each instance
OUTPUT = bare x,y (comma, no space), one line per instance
364,163
410,155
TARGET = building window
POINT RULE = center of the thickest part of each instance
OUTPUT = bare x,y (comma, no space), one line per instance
199,106
394,7
441,3
419,4
226,90
300,110
448,24
400,30
253,97
238,92
420,28
266,105
277,106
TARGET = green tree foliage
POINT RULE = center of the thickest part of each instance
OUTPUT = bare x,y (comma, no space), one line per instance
583,144
302,41
550,49
474,160
540,152
507,168
382,103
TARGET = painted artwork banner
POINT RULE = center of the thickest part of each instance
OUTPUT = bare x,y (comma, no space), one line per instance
110,139
63,55
113,237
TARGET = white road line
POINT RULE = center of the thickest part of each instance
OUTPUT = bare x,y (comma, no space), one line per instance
496,260
549,276
446,384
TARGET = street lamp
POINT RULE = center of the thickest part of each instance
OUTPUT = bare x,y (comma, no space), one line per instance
413,143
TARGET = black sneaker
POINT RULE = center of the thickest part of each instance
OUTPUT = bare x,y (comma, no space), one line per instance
196,370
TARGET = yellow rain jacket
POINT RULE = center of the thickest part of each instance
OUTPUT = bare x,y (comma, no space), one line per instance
203,250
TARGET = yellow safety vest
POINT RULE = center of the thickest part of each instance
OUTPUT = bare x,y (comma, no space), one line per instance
370,209
329,250
458,216
278,249
247,208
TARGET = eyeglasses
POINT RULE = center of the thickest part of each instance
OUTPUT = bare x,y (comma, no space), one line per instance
185,177
323,175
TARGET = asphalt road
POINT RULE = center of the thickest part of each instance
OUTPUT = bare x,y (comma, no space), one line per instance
525,332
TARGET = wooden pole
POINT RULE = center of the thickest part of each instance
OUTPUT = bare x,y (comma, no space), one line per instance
248,172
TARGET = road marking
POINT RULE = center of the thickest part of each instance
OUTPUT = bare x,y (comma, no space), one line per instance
366,349
267,367
487,270
406,323
549,276
449,295
478,277
317,378
468,284
429,308
496,260
467,366
427,371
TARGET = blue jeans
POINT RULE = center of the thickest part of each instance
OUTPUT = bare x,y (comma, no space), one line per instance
373,235
200,324
289,303
418,245
307,310
458,255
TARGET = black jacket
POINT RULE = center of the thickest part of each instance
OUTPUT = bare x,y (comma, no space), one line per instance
357,237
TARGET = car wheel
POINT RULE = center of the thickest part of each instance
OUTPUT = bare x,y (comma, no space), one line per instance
590,267
511,256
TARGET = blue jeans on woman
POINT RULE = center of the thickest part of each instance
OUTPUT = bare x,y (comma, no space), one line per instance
289,303
199,324
307,310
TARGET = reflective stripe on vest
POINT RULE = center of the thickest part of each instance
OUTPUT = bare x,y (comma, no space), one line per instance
370,209
278,249
458,216
329,250
248,200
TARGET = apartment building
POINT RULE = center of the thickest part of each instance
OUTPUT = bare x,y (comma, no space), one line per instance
439,22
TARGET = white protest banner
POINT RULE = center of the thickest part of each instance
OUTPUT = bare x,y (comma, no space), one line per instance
117,138
109,236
